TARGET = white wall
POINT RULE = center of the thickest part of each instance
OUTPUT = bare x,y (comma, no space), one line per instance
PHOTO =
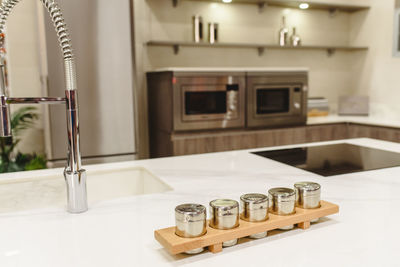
378,74
24,66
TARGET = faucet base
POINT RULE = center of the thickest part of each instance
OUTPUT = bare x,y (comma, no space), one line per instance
76,191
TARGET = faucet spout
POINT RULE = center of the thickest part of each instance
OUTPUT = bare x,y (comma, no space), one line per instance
74,174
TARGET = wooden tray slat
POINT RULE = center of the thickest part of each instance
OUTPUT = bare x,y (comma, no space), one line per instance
214,237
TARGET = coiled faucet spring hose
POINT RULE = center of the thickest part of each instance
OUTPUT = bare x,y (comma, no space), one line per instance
60,26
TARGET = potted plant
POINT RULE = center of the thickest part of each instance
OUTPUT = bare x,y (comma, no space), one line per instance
21,120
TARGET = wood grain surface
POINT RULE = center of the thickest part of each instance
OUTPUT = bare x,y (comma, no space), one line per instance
214,237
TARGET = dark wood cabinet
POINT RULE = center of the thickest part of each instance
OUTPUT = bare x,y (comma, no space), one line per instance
377,132
177,144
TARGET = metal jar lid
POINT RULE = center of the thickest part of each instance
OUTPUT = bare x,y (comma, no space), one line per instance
307,188
224,213
282,194
308,195
254,207
190,213
254,201
223,207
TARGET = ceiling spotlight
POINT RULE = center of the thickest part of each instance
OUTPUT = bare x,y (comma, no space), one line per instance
227,1
304,6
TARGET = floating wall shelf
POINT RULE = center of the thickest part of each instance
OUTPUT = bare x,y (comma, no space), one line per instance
332,7
260,47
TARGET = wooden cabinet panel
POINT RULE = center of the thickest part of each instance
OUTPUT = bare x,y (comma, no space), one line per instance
160,144
376,132
206,142
317,133
214,142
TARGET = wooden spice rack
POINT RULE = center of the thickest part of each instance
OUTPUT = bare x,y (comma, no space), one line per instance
213,238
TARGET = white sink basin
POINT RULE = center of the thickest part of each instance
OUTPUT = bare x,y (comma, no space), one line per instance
50,191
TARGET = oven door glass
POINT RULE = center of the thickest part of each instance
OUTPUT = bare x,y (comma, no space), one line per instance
205,102
272,100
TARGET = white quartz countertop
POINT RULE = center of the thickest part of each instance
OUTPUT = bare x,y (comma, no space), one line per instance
391,120
231,69
120,232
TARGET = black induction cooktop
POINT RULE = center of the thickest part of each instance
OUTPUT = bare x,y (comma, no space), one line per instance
328,160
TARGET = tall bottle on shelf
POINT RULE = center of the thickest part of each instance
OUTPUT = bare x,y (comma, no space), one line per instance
283,33
197,28
295,39
212,33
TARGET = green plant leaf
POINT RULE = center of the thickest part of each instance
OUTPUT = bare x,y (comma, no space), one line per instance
23,119
38,162
23,159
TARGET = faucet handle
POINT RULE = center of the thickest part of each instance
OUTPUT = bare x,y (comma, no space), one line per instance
5,122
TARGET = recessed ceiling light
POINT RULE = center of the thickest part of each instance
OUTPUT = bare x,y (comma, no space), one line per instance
304,6
227,1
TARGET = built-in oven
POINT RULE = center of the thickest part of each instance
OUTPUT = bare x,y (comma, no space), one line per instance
276,98
208,101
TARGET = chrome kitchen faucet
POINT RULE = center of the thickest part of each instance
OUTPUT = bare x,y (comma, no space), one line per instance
74,175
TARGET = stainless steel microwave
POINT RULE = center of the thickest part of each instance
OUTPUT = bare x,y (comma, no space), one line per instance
185,101
276,98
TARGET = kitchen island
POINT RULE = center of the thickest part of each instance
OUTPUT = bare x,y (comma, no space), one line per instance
119,232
